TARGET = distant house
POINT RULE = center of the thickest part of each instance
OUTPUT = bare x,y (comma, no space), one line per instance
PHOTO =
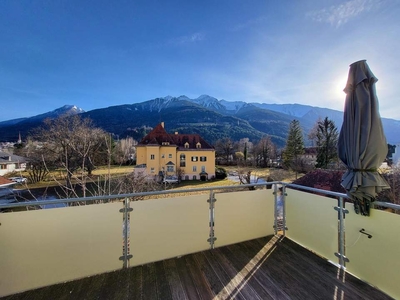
187,156
310,155
5,186
396,155
11,163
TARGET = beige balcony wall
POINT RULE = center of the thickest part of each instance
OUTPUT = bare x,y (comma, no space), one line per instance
242,216
375,260
44,247
312,222
168,227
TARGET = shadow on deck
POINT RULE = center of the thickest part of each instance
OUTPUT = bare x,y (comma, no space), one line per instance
266,268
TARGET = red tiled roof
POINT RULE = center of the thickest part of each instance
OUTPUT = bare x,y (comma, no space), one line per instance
159,136
156,137
4,180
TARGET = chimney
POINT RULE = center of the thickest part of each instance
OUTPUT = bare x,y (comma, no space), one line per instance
162,124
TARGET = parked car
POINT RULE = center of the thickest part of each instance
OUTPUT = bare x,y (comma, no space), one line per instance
18,179
171,179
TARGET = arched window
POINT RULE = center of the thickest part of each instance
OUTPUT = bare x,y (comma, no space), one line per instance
198,145
186,145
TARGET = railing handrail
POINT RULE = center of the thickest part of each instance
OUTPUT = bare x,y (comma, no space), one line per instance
130,195
310,189
177,191
338,195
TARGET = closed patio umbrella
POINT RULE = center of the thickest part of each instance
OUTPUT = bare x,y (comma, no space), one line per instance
362,144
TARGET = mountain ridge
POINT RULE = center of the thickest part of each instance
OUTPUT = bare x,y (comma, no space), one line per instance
205,115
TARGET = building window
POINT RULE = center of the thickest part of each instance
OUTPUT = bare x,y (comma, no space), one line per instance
194,158
3,167
203,158
165,143
162,155
194,177
170,168
182,160
170,155
152,156
186,145
152,170
194,169
203,168
198,145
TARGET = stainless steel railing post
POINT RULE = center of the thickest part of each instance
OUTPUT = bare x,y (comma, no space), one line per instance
211,202
126,256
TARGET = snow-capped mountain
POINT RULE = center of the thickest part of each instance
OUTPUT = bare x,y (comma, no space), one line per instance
209,102
211,118
66,110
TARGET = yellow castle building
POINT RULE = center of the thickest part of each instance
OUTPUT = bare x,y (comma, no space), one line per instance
184,156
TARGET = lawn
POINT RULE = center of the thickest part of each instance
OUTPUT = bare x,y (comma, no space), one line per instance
104,171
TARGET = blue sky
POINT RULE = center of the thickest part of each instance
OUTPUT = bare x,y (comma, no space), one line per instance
96,53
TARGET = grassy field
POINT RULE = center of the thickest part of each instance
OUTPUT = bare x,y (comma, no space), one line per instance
56,177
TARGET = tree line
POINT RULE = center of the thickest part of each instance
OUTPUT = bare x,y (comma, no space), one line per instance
265,153
77,146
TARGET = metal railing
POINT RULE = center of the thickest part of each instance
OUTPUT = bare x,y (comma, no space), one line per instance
133,195
212,195
279,225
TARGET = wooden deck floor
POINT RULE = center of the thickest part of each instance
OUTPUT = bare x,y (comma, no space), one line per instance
266,268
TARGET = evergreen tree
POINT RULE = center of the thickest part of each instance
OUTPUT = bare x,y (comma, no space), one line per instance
294,146
327,138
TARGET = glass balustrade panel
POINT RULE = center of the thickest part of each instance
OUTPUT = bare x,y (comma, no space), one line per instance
375,259
168,227
48,246
242,216
312,222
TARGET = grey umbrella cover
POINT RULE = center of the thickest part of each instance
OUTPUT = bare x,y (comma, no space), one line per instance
362,143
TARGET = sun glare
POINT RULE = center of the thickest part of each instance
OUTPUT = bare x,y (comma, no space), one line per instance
340,84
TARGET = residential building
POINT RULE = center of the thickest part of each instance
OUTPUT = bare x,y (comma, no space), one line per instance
187,156
11,163
396,155
310,155
6,186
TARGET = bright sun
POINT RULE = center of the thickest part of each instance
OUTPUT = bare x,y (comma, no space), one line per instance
339,85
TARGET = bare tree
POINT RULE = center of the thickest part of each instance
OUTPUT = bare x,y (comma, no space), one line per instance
264,151
133,183
224,148
125,151
245,177
239,156
35,153
180,172
71,143
393,194
312,134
